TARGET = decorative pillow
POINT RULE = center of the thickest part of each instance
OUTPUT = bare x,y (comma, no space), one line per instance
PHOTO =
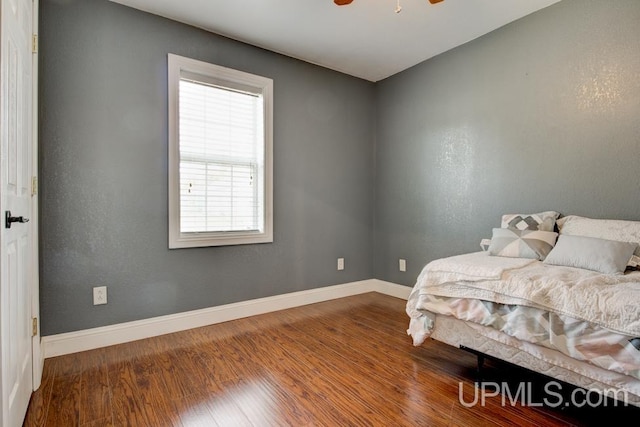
633,265
590,253
543,221
509,242
609,229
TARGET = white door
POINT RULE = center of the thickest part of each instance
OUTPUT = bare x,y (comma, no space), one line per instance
15,188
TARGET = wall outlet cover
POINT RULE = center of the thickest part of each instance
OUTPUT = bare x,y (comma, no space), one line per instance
99,295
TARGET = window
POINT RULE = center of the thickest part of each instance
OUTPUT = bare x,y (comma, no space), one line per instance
220,155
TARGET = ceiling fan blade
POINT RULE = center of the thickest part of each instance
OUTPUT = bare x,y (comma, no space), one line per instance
346,2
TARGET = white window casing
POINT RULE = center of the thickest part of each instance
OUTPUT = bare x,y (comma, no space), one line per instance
220,155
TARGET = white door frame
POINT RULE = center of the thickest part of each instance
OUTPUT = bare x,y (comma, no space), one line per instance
38,354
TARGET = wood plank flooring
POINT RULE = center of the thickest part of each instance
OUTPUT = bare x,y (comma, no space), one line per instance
338,363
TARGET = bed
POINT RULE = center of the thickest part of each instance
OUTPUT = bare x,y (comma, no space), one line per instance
557,296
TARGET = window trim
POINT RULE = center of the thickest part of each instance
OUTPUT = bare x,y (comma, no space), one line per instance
177,66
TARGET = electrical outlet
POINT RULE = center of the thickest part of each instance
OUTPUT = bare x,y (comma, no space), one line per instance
340,264
99,295
402,264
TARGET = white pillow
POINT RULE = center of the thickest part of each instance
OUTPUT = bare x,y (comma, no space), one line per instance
610,229
590,253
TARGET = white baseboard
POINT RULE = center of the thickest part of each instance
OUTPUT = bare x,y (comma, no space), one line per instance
392,289
88,339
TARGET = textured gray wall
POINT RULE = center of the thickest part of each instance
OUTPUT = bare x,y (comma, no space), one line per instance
543,114
103,130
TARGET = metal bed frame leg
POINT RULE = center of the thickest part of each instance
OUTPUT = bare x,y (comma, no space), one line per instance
481,358
480,366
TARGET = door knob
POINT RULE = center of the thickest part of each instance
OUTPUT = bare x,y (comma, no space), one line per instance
8,219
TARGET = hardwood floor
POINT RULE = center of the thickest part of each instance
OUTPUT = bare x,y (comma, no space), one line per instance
337,363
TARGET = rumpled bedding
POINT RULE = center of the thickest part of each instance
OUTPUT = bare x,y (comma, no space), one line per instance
586,315
575,338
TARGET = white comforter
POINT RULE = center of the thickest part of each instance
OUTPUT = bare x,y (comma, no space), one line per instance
612,302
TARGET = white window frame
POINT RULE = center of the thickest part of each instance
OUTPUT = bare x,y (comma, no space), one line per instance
225,77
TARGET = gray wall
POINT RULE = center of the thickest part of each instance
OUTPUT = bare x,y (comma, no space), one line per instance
103,154
543,114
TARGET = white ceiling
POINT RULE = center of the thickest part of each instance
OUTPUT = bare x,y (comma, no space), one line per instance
366,39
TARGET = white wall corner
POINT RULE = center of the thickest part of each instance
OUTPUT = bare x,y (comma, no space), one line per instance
392,289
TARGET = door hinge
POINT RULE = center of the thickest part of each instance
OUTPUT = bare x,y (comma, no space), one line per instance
34,43
34,326
34,185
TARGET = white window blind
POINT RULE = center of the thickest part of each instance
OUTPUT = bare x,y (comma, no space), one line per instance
220,155
221,159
